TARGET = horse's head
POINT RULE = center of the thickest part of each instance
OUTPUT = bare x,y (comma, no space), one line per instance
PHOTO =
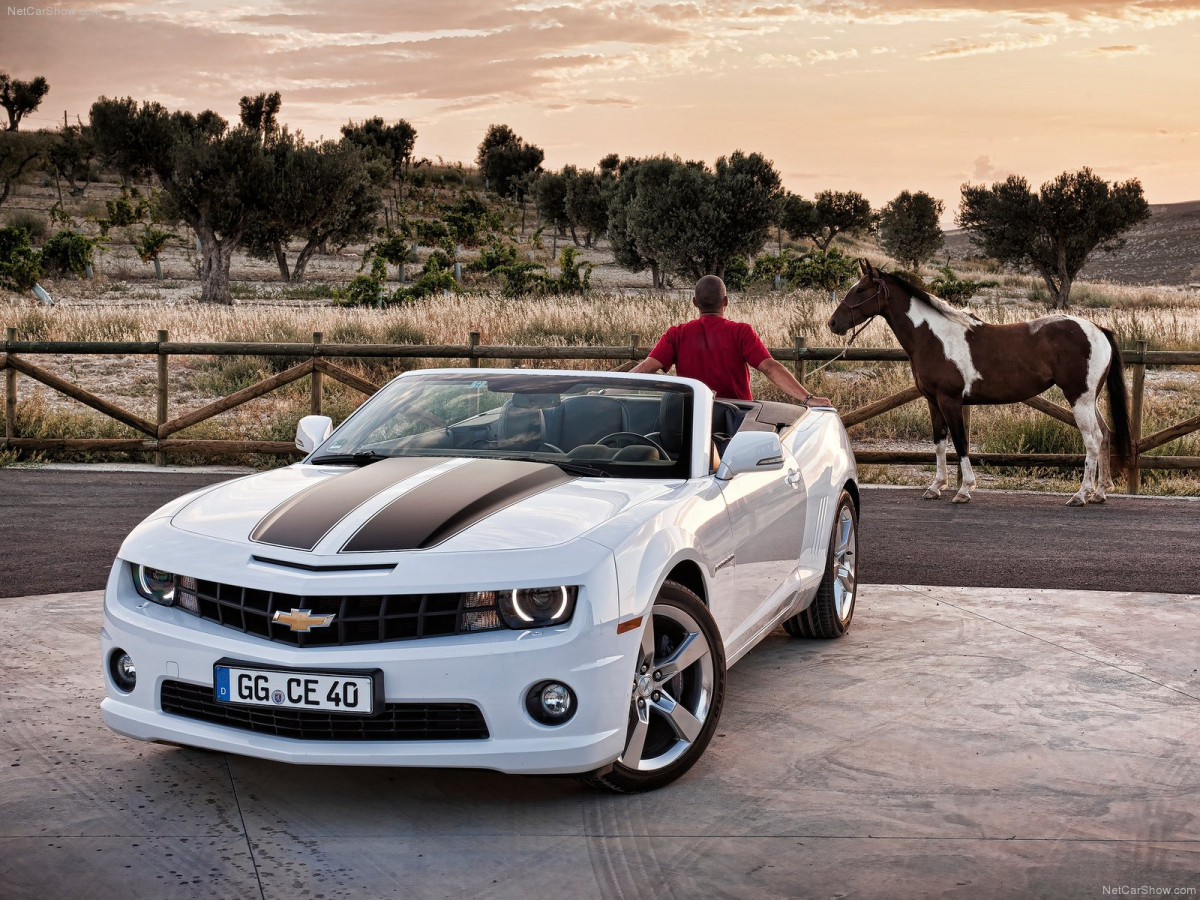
865,300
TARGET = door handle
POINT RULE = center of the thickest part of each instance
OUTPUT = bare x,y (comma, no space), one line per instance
793,478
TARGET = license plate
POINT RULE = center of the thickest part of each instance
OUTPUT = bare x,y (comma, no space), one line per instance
332,692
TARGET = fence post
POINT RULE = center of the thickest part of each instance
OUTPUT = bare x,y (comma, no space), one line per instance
160,456
801,365
10,395
634,341
1135,418
315,404
473,341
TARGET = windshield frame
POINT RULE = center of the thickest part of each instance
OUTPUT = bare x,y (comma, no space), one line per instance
351,436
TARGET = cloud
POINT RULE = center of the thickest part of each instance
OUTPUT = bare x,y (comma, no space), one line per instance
961,47
821,56
1114,51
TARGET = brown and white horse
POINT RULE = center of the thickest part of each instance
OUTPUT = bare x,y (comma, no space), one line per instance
959,360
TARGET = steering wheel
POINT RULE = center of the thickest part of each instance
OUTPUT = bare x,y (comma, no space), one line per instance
547,447
629,438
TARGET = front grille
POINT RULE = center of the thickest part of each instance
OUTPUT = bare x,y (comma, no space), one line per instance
358,619
396,722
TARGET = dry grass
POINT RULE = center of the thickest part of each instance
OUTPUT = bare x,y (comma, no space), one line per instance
1167,318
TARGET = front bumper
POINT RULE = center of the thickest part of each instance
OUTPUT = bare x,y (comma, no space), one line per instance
492,670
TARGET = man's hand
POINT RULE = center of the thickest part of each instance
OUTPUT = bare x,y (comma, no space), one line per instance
818,402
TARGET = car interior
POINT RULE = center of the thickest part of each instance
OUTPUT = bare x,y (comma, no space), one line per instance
604,427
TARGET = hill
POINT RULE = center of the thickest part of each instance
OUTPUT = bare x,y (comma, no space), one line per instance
1163,250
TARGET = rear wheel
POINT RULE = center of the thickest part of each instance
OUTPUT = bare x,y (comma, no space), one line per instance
675,703
829,615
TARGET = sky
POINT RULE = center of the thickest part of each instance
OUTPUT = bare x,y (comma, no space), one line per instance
877,96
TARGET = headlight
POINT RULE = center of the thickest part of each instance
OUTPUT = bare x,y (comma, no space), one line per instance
154,584
537,607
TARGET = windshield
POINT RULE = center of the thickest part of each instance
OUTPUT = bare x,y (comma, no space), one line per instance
632,428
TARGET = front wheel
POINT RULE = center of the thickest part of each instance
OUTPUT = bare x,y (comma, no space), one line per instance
678,690
829,615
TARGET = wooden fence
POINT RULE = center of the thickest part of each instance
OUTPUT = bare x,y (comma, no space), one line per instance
159,435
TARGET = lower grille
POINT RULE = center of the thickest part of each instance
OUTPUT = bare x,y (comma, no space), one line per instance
397,721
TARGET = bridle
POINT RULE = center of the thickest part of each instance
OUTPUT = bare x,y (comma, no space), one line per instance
881,290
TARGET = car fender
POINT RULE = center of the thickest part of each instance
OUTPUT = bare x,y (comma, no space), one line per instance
645,560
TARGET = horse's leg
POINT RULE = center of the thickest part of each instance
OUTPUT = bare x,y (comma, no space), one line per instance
1104,482
1088,419
940,480
952,412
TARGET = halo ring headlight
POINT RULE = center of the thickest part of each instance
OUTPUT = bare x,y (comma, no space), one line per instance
154,584
538,607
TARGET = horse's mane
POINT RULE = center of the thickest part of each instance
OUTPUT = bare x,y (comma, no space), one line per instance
965,319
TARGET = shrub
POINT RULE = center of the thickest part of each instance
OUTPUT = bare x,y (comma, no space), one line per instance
20,264
827,270
364,290
956,290
494,256
68,252
436,276
737,273
523,278
574,277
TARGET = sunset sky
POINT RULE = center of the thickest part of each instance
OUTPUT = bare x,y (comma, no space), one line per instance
871,95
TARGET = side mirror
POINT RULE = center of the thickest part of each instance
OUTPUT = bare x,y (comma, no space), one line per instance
311,432
751,451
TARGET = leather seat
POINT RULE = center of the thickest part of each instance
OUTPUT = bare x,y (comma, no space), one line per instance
586,419
520,429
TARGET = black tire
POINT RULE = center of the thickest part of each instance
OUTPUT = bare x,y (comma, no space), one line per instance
830,613
697,689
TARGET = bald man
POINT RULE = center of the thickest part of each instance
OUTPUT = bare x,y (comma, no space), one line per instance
718,352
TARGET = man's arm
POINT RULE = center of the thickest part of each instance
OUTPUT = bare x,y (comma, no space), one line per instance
786,382
649,365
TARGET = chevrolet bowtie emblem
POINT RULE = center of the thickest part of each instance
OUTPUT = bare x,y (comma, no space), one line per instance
301,619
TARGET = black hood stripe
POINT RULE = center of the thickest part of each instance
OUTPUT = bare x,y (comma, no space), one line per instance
301,521
452,502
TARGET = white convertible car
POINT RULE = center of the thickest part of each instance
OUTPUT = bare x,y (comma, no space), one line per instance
529,571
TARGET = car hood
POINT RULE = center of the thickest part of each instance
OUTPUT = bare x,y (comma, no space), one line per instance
427,504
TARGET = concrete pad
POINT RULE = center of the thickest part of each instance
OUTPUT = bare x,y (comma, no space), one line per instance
957,742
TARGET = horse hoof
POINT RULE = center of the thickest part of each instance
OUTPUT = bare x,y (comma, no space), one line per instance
961,498
1076,501
931,494
1096,498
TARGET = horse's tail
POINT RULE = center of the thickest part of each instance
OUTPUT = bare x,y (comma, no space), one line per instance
1119,403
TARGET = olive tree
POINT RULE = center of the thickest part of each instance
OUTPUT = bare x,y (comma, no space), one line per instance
508,162
392,143
1055,230
318,193
826,216
684,218
909,228
19,98
214,178
17,153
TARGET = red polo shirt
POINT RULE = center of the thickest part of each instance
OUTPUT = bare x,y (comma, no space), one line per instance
714,350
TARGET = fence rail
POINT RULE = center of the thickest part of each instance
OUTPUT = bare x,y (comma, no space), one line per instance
316,364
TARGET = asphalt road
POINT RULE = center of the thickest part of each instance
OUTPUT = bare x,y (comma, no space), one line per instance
60,529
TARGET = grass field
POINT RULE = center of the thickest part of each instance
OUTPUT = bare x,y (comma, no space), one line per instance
126,303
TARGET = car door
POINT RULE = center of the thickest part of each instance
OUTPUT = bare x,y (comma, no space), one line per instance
766,513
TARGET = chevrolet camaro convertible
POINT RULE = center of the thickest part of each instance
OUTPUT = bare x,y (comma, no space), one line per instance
541,572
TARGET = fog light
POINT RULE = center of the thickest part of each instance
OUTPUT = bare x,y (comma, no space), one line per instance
550,702
122,669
